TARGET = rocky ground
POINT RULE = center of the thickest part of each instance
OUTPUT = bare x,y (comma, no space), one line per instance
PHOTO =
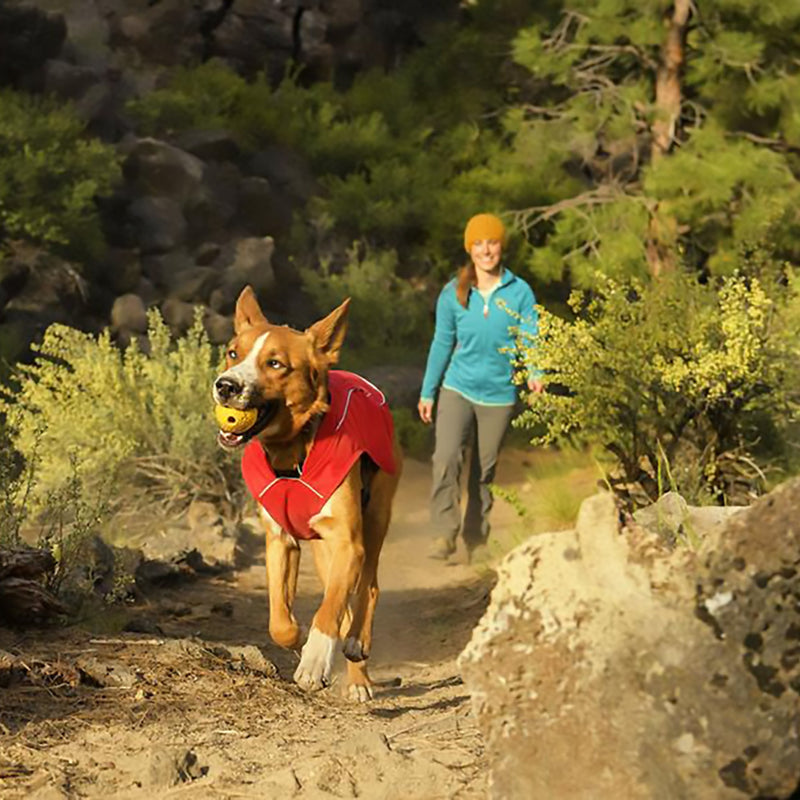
202,704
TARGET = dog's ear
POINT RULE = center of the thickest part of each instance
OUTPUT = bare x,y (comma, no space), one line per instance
248,311
328,334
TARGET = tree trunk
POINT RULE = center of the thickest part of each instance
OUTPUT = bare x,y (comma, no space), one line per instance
668,80
660,244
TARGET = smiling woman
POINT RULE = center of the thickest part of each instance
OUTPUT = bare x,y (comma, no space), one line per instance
469,375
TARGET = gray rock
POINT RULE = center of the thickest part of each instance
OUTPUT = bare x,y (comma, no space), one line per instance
286,170
192,285
252,30
219,328
147,291
68,81
129,314
153,167
250,264
637,669
207,253
121,270
158,222
260,211
400,383
671,518
28,37
211,210
162,268
125,339
105,672
209,145
178,315
170,766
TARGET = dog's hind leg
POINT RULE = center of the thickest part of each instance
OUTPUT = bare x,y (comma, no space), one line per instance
358,639
283,560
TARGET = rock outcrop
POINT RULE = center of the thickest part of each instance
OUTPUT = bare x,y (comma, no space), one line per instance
196,217
617,661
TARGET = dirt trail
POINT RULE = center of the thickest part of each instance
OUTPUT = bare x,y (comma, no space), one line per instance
175,717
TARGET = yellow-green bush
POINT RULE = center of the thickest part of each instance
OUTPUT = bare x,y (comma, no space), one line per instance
141,419
686,386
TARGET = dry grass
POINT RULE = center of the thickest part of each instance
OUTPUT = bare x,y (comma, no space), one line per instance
545,487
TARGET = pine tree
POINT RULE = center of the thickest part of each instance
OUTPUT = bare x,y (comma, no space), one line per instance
670,132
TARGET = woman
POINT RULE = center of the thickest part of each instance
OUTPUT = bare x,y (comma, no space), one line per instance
470,369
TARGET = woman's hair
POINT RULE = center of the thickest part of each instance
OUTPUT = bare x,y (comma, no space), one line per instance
465,280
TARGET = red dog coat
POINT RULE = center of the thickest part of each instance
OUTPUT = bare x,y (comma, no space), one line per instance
359,421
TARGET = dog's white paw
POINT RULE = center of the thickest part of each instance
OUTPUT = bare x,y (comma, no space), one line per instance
316,662
353,649
359,693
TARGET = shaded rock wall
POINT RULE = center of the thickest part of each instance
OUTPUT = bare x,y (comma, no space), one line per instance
195,219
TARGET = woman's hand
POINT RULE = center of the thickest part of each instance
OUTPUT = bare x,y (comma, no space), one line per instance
535,385
425,408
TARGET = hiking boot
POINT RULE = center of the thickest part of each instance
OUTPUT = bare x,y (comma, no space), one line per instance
478,554
442,548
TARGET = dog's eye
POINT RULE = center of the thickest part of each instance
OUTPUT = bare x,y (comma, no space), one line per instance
273,363
232,355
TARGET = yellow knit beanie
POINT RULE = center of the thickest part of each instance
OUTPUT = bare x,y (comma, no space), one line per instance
484,226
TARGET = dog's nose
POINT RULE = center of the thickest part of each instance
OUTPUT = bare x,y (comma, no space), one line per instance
227,388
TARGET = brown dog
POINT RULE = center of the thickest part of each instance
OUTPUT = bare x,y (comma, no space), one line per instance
323,462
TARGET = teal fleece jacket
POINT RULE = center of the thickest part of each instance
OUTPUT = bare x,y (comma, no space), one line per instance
465,354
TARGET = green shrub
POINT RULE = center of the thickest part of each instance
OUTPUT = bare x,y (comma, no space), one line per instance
206,96
139,419
65,524
415,437
684,385
389,320
17,482
50,175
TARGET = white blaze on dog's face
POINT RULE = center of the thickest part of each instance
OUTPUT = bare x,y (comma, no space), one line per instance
279,371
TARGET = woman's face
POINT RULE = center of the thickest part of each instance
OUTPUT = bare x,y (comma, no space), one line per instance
485,254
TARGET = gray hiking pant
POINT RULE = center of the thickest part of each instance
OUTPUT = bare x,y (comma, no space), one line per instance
460,423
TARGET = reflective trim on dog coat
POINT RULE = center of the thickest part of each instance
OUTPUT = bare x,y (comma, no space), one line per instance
358,421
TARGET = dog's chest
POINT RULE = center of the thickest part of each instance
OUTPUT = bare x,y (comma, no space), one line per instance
359,422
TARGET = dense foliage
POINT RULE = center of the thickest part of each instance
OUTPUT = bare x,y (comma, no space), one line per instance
671,131
50,175
686,386
387,316
120,415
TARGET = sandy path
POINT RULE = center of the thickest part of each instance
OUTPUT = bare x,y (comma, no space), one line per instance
252,736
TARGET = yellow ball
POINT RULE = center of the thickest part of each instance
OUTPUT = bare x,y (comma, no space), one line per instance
234,420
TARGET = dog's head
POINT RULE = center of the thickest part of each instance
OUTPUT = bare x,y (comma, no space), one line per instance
280,372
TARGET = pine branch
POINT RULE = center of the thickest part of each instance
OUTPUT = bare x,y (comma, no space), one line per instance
529,218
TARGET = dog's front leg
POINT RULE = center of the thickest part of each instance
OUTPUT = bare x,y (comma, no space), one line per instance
339,525
283,559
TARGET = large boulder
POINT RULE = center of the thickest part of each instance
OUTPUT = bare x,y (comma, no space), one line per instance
246,261
153,167
28,37
158,224
619,662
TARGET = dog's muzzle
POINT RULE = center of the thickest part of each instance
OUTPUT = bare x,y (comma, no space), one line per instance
227,389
